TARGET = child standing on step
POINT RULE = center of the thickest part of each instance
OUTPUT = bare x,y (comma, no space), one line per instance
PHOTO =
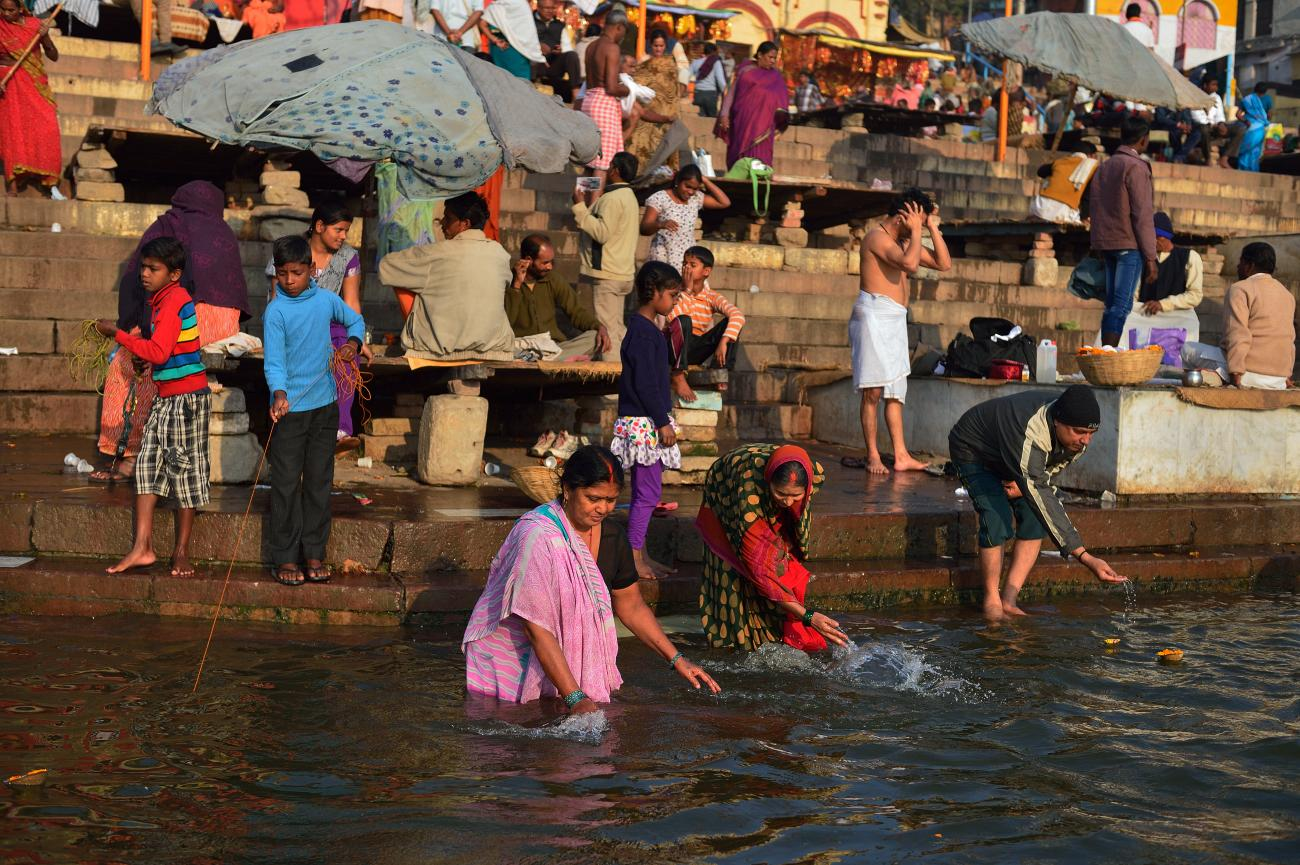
304,410
173,458
645,440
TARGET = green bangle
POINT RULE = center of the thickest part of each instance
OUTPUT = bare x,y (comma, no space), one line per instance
574,698
676,658
807,616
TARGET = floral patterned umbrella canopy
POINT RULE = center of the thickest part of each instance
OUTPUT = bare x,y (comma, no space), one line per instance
355,94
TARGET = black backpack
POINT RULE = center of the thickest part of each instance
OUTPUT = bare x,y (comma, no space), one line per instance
970,356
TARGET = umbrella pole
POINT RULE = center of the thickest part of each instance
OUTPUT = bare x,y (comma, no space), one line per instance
146,40
36,40
1069,107
1002,104
640,33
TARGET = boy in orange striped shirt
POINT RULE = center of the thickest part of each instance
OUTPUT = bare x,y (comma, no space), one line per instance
693,338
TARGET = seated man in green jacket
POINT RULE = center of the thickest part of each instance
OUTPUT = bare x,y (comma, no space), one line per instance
537,291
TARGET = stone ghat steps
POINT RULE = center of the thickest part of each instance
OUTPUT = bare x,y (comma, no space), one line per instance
64,586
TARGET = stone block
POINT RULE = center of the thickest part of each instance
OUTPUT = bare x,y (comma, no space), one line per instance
234,457
286,195
391,449
291,179
817,260
282,211
228,400
791,237
697,449
763,257
697,433
93,175
675,478
1042,253
705,400
278,163
1041,272
698,463
228,423
392,426
101,192
451,440
695,417
274,229
97,158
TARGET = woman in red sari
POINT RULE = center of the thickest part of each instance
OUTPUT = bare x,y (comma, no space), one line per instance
755,108
755,521
29,128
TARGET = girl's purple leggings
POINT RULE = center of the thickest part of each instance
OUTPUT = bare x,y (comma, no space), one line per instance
647,485
338,336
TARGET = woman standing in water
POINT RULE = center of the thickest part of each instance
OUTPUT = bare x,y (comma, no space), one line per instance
544,625
755,521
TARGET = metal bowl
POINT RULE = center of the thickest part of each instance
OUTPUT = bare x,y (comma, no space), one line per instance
1193,378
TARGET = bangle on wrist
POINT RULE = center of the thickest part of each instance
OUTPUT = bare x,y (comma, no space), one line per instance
574,698
677,657
807,616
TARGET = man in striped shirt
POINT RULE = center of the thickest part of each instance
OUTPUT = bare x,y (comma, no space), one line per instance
693,337
173,458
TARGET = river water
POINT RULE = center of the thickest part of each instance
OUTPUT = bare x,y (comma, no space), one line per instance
935,739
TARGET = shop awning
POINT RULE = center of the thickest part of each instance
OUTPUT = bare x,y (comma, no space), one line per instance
886,49
671,9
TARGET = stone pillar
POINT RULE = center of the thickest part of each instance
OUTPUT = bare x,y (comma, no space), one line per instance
697,437
1041,267
234,450
451,440
93,172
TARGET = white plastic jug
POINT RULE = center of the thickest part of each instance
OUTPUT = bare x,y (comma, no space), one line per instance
1045,367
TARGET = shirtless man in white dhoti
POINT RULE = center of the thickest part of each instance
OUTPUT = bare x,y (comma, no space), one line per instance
891,252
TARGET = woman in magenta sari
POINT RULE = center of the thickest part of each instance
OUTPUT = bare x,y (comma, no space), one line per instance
544,625
755,108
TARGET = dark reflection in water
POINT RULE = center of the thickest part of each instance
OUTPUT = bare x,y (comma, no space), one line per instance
936,738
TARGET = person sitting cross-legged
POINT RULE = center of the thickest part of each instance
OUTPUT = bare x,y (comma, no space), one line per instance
535,293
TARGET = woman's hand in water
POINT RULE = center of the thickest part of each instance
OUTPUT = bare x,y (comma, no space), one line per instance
693,674
584,706
830,629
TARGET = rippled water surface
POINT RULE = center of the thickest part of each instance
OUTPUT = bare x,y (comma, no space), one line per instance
935,739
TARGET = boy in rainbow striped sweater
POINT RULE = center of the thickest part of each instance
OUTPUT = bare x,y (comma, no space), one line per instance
173,457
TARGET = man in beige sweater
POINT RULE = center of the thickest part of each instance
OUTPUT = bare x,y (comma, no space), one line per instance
608,235
1258,327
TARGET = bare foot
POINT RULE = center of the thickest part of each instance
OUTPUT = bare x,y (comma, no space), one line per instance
645,572
134,559
1010,608
661,570
875,466
993,611
909,463
181,566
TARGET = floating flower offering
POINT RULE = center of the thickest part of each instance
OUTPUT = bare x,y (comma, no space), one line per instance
1111,641
1169,656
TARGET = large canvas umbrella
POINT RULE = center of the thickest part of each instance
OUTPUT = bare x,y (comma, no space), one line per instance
1091,51
355,94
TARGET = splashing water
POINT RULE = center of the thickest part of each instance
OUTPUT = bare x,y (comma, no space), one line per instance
587,729
1130,596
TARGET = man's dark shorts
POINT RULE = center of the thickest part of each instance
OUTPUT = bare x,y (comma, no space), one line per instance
995,510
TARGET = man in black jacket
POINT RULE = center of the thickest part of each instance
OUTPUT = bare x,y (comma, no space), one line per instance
561,69
1006,451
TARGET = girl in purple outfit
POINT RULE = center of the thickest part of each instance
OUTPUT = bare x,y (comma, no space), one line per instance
645,440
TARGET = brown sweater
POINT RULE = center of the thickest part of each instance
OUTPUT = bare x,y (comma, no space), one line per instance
1121,205
1259,327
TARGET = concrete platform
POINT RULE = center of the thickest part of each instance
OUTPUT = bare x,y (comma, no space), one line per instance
1150,441
420,551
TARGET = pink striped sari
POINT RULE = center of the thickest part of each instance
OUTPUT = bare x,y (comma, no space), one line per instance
545,575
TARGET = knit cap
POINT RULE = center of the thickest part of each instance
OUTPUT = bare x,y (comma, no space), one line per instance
1077,407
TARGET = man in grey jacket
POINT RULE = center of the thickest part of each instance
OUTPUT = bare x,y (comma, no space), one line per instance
1006,451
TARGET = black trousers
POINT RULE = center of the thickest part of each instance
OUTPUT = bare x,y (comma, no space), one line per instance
687,349
561,72
302,473
707,102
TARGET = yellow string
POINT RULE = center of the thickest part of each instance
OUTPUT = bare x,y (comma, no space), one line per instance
88,360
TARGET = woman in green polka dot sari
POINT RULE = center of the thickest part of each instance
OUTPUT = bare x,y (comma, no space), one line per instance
755,521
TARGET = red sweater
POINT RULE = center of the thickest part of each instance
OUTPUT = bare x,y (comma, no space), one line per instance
174,347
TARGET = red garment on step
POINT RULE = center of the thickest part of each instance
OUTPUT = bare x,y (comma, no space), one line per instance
29,126
303,13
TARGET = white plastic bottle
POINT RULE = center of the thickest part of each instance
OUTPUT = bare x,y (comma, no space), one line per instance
1045,368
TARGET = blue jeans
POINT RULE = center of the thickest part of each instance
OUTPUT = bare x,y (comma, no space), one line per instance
1123,273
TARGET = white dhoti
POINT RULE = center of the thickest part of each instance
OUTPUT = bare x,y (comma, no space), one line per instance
878,339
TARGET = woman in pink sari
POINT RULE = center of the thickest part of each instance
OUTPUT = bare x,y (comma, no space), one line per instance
755,108
544,625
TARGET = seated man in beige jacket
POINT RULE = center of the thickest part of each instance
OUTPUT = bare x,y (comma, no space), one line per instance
460,287
1258,327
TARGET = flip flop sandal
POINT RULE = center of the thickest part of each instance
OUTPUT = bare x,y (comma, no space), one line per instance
290,576
106,476
853,462
321,574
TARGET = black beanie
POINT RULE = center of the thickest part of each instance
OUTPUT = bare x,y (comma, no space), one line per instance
1077,407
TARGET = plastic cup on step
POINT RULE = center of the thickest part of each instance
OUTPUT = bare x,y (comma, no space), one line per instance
84,467
71,460
491,469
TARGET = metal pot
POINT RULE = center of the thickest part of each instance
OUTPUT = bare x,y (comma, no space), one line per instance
1193,378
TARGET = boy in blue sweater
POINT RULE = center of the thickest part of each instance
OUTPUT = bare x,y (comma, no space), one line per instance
304,410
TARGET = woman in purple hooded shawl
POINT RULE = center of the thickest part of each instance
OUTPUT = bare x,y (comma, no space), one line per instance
214,277
755,108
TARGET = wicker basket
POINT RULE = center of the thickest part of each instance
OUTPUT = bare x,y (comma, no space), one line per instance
538,482
1121,368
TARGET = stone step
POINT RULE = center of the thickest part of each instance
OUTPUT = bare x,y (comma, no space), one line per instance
29,337
49,274
66,245
757,358
93,85
1035,320
102,49
47,373
73,125
49,412
80,217
22,303
85,105
766,421
98,67
808,332
779,385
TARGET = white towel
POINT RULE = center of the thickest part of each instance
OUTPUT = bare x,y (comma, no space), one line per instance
635,93
878,339
514,18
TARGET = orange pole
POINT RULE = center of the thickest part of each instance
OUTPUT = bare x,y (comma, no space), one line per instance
146,37
1002,105
640,33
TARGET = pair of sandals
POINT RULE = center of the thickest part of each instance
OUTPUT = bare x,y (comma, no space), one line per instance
292,575
115,474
